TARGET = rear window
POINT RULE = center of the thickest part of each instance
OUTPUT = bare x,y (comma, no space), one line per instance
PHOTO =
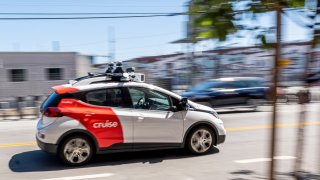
51,101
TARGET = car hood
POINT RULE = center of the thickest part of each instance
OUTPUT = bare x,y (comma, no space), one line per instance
200,106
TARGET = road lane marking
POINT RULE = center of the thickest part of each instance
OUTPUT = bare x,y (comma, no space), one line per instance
245,161
32,143
93,176
235,129
246,128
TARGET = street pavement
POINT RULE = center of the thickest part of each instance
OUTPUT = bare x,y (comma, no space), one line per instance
244,155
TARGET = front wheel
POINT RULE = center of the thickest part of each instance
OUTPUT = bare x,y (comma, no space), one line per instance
200,140
76,151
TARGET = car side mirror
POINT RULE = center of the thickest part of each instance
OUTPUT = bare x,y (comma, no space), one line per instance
173,109
184,102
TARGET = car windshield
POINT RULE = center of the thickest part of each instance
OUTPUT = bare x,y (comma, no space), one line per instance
206,86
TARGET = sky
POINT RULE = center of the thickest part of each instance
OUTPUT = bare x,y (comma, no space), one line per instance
134,37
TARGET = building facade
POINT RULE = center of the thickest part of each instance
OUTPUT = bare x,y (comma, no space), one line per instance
183,69
27,74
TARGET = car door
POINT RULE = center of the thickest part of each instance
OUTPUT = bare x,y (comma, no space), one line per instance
156,121
256,88
108,116
229,95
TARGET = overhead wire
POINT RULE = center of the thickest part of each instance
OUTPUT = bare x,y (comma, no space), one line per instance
99,13
89,5
93,17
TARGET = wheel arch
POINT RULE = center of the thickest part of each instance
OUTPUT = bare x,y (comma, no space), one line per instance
198,124
77,132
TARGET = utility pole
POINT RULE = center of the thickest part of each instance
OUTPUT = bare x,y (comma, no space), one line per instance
111,44
315,42
304,95
274,89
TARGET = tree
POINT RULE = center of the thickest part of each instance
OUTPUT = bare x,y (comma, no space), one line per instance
216,19
211,19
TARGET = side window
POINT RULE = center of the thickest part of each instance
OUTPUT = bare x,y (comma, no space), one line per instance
239,84
254,83
137,95
225,85
232,85
143,98
158,101
111,97
215,85
97,97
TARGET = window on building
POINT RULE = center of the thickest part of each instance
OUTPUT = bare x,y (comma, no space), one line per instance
54,73
17,75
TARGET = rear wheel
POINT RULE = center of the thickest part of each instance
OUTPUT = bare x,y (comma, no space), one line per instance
252,103
76,150
200,140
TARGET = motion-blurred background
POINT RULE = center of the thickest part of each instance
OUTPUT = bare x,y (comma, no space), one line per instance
225,54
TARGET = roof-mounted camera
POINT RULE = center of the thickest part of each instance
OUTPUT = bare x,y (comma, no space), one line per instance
113,73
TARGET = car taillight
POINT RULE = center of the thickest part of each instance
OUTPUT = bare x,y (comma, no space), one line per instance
53,112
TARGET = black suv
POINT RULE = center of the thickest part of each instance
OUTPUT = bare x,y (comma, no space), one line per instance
229,92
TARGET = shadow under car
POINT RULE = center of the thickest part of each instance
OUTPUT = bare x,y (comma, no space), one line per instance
38,160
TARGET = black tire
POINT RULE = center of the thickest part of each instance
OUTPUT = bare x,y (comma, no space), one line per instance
87,153
191,143
253,104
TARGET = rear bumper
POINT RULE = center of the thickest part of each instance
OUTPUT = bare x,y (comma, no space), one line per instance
221,139
50,148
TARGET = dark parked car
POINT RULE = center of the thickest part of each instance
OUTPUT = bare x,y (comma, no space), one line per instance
246,92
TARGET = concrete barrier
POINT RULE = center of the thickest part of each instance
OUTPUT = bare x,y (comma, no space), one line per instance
15,114
29,112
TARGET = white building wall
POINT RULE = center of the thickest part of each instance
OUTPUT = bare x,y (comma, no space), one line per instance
83,65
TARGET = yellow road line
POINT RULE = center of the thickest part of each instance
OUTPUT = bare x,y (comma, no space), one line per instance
244,128
32,143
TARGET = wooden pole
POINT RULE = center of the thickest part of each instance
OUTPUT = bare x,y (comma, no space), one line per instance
274,90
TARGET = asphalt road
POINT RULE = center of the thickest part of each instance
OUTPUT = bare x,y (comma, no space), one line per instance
243,156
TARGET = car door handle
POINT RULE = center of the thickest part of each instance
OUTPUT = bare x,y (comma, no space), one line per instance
140,118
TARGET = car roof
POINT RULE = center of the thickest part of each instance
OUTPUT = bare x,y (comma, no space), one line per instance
68,88
238,79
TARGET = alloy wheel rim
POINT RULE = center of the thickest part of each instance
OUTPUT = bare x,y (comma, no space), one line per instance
77,150
201,140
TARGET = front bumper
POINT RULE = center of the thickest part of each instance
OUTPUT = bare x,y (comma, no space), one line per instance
50,148
221,139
